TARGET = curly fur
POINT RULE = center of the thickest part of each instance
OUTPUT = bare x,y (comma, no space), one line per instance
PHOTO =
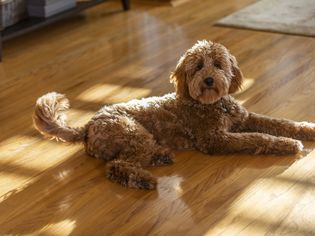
200,116
49,118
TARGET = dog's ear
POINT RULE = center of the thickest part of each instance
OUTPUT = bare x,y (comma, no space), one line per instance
237,77
178,78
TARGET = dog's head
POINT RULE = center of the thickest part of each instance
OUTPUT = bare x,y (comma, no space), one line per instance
206,72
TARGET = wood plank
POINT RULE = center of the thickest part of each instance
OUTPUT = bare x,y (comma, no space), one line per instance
107,56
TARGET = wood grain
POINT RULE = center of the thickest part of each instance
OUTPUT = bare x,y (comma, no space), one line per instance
108,56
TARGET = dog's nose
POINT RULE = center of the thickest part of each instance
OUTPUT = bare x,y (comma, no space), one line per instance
208,81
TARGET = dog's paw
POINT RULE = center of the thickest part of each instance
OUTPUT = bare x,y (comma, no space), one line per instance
297,146
289,146
163,156
130,175
283,146
159,160
142,180
308,131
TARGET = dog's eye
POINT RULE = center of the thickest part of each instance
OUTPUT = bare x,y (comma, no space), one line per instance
217,65
199,66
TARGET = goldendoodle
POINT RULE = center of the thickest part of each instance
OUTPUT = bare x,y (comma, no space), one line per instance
201,115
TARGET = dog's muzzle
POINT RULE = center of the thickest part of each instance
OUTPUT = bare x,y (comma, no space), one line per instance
208,81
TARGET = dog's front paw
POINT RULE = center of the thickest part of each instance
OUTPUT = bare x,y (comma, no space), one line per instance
289,146
297,146
307,131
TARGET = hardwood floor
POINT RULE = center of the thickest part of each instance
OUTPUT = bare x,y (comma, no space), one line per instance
107,56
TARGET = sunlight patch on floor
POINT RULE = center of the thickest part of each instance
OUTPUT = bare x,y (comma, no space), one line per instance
170,185
247,84
239,95
61,228
111,93
170,189
61,175
79,117
242,101
23,158
274,202
34,153
7,181
12,146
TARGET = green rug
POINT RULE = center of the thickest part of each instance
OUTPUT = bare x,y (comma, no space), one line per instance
283,16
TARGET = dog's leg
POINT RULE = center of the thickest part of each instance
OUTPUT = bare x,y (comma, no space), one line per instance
150,154
141,147
128,140
130,174
162,156
251,143
279,127
127,168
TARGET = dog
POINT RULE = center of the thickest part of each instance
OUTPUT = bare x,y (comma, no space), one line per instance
201,115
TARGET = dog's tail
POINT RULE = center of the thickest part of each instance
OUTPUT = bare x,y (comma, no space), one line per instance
49,119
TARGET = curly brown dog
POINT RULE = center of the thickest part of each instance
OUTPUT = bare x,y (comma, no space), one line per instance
201,115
